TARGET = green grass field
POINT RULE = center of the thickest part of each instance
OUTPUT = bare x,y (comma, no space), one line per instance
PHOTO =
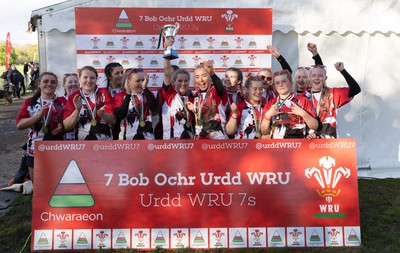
379,211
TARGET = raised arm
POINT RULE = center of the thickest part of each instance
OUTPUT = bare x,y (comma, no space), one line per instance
167,64
70,121
122,110
314,50
231,126
275,52
151,99
219,86
353,85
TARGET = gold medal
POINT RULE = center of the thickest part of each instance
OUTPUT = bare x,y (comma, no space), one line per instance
258,134
93,122
188,124
45,130
199,122
142,123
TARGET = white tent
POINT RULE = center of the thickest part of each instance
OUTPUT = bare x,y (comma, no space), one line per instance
362,34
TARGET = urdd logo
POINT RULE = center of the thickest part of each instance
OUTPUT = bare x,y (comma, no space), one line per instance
72,190
123,21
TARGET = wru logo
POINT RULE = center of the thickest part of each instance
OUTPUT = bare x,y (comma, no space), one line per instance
327,177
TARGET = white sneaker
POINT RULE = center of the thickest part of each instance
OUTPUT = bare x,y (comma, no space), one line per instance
27,187
14,187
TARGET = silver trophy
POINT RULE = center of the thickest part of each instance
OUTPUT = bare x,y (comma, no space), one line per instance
169,31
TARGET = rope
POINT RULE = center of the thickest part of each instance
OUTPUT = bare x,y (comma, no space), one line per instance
26,242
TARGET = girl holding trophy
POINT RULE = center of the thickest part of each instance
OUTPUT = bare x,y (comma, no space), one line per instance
177,119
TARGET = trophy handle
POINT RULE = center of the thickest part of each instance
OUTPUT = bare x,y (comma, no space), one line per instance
159,38
177,28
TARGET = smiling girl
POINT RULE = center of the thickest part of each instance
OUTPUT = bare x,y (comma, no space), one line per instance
245,118
287,116
209,104
70,84
176,119
42,114
135,105
326,101
90,110
114,73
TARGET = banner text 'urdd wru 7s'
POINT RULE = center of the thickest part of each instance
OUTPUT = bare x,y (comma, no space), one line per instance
197,194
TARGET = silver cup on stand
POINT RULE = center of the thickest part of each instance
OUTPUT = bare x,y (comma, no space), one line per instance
169,31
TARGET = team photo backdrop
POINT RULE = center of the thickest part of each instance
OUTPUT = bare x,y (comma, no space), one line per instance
197,194
130,36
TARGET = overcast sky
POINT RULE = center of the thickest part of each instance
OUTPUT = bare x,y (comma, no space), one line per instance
14,18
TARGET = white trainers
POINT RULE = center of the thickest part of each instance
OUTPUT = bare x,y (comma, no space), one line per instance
27,187
14,187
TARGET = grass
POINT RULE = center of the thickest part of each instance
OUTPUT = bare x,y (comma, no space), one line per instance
379,211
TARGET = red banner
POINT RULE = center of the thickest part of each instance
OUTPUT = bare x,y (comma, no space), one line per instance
229,37
197,194
192,20
8,50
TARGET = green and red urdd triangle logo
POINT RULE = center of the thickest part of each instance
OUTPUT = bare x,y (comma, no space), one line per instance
238,237
252,42
210,59
125,62
160,238
224,43
314,237
196,42
72,190
82,239
199,238
238,61
121,239
153,62
353,236
182,62
110,42
43,239
276,237
123,21
139,43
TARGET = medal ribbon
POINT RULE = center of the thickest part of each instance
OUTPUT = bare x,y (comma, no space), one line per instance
256,116
92,112
185,100
140,108
281,104
46,118
198,107
316,109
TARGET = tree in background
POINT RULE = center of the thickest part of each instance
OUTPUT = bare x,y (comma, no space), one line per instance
27,53
3,54
19,54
